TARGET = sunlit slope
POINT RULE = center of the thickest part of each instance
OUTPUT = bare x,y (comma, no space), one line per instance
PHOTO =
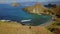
16,28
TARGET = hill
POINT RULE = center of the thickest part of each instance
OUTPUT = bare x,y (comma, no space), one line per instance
38,9
16,28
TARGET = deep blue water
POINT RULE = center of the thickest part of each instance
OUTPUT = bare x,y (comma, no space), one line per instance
8,12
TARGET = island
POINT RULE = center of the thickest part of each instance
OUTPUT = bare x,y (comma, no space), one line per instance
15,4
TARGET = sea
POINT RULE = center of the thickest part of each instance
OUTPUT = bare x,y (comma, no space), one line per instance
9,12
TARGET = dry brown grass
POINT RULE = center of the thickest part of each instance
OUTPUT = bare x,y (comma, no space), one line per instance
16,28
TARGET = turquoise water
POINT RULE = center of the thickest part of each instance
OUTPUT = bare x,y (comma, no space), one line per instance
8,12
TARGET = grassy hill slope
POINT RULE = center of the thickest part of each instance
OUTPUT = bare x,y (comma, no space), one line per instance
16,28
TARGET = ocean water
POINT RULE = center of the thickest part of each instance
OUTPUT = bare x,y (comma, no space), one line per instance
8,12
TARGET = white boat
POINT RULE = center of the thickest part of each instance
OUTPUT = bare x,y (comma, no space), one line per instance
25,20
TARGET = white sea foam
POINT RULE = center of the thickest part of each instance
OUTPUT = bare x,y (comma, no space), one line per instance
5,20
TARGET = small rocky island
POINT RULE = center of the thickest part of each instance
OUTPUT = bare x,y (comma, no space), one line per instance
15,4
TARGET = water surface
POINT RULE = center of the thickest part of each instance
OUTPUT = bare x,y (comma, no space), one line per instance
8,12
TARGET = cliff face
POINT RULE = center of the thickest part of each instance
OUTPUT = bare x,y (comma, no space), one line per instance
37,8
